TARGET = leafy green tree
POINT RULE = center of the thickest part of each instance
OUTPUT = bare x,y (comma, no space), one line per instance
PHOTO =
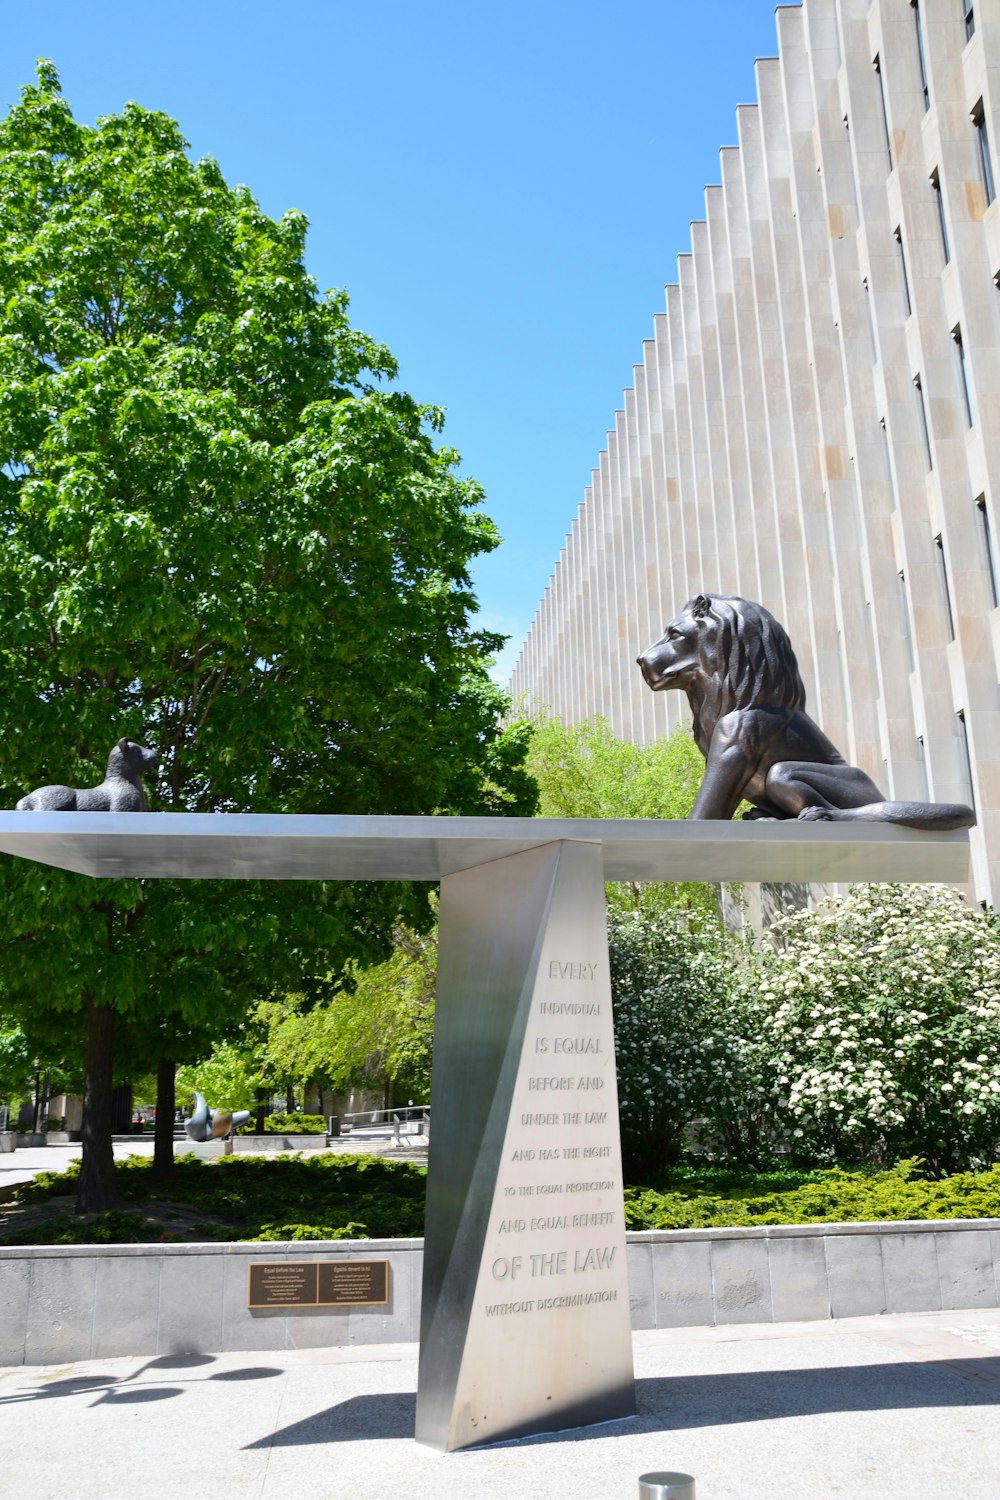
43,1046
377,1032
585,771
228,1077
873,1028
15,1064
226,534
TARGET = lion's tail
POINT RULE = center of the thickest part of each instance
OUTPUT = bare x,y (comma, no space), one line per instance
929,816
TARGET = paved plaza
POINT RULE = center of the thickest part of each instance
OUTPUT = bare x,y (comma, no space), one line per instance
895,1408
27,1161
888,1407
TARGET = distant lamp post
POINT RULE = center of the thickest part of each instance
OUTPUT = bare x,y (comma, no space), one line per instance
40,1113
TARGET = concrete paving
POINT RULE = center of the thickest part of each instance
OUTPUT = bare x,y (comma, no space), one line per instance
27,1161
24,1163
895,1408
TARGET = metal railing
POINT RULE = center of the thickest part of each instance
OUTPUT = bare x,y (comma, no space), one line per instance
400,1120
400,1112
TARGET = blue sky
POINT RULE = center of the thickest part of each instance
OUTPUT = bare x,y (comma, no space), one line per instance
502,189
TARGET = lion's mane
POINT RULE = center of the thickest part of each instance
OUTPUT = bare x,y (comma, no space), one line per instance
754,666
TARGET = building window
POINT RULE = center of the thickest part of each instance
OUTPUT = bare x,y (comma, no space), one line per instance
963,735
990,555
942,221
898,236
922,757
922,414
970,19
885,117
920,52
985,160
871,319
963,374
945,590
904,619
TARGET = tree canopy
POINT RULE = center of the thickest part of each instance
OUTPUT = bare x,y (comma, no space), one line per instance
227,534
584,771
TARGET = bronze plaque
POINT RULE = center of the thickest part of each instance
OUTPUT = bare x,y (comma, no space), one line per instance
283,1284
343,1282
311,1283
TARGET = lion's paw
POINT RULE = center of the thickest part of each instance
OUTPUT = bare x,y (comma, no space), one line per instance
815,815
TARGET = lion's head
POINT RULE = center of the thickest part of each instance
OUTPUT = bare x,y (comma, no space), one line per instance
726,653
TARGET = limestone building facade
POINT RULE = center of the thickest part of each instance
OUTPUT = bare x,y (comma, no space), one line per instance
815,420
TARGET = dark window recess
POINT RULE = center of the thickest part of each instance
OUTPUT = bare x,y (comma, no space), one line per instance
922,61
871,633
884,115
990,555
963,736
963,374
922,757
945,590
922,414
985,159
970,18
904,619
871,319
942,220
898,236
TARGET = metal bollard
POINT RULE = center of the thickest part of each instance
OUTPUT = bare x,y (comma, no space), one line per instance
666,1486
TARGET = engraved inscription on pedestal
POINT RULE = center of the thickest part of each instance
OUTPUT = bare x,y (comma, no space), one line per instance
543,1324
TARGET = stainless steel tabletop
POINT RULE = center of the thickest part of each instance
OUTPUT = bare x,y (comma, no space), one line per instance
253,846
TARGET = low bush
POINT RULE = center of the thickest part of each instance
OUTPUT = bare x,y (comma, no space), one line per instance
112,1228
50,1184
248,1197
333,1197
828,1197
288,1124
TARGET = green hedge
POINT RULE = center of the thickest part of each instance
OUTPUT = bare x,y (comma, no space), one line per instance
295,1124
326,1197
830,1197
332,1197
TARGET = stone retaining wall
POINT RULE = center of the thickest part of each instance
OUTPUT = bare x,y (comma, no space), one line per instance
70,1302
276,1142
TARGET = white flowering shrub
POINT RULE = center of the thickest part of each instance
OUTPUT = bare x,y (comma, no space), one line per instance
671,978
874,1028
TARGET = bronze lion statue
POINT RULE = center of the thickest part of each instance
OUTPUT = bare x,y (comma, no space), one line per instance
737,666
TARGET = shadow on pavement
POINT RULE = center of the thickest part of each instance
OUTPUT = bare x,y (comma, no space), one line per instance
360,1419
132,1388
677,1402
671,1403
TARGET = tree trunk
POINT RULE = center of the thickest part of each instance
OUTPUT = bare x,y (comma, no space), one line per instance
260,1114
290,1101
97,1174
121,1109
166,1106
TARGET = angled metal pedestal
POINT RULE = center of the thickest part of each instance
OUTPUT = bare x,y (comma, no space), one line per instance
525,1322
